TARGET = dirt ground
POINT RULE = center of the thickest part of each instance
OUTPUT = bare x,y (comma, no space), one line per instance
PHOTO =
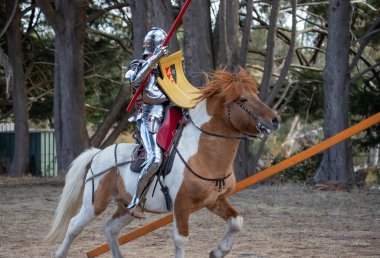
279,221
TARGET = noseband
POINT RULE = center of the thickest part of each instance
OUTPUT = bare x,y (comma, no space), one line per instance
259,125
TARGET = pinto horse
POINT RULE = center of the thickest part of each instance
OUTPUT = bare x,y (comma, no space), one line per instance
201,175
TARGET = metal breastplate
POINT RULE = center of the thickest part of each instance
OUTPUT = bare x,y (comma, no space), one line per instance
152,94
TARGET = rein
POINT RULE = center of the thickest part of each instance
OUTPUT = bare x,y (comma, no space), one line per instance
246,137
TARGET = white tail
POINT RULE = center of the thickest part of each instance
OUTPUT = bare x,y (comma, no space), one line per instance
72,194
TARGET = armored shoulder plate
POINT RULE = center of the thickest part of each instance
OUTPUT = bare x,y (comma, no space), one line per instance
132,70
135,64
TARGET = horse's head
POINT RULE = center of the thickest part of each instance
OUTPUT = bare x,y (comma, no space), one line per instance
233,98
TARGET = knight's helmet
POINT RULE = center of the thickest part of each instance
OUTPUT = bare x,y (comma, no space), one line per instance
153,38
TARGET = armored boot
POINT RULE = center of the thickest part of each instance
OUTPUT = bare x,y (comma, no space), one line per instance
135,208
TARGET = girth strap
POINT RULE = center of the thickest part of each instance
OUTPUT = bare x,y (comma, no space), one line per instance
220,183
117,164
93,175
106,170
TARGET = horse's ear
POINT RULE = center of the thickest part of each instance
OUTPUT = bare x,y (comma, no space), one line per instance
233,69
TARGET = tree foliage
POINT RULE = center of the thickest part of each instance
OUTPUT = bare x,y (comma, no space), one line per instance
290,63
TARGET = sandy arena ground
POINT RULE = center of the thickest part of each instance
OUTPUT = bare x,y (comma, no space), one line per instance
279,221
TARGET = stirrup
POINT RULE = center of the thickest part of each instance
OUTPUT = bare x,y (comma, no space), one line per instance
134,202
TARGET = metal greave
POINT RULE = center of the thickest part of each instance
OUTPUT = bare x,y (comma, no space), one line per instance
151,165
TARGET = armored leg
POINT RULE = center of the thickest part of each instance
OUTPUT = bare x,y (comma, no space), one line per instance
152,164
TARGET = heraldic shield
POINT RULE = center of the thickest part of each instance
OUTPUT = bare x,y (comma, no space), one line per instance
174,82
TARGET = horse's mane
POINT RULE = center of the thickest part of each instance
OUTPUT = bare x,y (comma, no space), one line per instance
228,85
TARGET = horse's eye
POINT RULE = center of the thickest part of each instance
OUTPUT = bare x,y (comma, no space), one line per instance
243,100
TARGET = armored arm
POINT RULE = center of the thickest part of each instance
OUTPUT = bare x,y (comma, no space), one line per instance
138,69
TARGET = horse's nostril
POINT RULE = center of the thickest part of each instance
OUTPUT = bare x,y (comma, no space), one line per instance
275,121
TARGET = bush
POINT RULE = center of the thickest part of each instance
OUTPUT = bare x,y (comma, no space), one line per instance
300,172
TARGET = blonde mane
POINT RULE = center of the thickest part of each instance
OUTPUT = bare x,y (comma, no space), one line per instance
227,85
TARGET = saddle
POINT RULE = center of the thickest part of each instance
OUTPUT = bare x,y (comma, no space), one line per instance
165,139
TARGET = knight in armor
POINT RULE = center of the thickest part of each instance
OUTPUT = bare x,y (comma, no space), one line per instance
149,116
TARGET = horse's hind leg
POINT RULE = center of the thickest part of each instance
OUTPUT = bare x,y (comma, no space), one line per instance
112,228
77,223
91,207
224,209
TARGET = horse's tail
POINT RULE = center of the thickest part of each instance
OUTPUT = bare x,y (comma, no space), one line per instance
72,195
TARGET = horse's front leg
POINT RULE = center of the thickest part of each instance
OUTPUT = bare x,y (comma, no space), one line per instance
223,208
180,228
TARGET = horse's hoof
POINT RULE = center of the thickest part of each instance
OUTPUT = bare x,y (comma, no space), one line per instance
213,254
218,253
58,255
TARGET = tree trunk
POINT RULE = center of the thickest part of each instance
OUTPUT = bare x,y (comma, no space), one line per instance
161,13
244,157
140,25
246,34
288,60
269,55
116,132
109,119
20,160
198,42
337,162
268,68
69,99
226,34
140,28
269,97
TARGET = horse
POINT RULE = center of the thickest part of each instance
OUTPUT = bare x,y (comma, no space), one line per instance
227,111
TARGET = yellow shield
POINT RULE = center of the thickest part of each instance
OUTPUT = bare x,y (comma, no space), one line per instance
174,82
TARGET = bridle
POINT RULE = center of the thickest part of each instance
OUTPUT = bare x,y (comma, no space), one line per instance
259,125
245,137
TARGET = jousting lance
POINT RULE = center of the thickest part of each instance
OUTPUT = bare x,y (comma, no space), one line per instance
165,43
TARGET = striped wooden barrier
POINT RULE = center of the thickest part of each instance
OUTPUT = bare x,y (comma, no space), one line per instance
293,160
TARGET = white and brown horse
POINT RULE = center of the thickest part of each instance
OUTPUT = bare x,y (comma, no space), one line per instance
229,109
